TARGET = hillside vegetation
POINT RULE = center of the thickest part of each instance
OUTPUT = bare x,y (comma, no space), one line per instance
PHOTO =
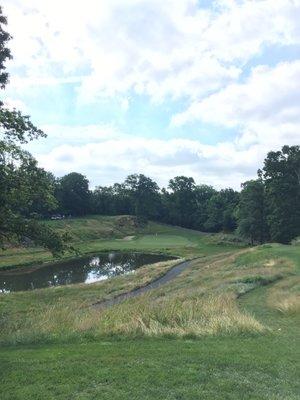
99,233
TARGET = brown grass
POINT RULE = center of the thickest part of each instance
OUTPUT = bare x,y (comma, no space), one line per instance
285,296
200,301
179,317
141,317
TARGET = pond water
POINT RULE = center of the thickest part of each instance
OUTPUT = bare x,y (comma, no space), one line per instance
82,270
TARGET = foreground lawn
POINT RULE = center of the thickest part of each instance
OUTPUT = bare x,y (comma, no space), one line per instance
213,368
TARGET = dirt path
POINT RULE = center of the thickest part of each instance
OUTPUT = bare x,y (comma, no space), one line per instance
171,274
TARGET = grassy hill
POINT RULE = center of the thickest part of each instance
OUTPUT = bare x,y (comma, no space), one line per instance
100,233
226,328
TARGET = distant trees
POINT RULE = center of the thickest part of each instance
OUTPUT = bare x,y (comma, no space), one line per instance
203,194
182,201
221,211
144,195
111,200
251,212
73,194
281,175
267,208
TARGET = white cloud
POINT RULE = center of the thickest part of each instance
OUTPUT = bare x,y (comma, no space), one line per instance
170,48
265,108
106,159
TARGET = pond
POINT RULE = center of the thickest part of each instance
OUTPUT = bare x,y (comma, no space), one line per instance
82,270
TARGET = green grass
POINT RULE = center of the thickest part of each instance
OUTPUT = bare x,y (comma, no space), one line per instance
213,368
226,328
97,233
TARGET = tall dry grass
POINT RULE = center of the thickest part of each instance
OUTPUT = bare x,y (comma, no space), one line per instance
285,296
178,317
201,301
140,317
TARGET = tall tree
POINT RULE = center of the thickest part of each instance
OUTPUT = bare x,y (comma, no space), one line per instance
251,212
281,174
73,194
221,211
182,200
111,200
144,193
203,194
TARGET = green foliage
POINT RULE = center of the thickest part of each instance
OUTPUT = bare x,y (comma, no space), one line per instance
281,174
182,200
17,127
144,194
221,211
25,190
111,200
73,194
4,50
203,194
252,213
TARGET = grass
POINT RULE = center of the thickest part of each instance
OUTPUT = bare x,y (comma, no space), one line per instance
203,300
177,317
226,328
231,368
97,233
285,297
24,316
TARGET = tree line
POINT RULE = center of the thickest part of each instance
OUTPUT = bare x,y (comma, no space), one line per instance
266,209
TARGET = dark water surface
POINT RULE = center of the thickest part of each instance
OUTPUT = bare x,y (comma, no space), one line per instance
83,270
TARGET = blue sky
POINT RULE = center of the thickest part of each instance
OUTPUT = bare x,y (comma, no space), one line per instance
200,88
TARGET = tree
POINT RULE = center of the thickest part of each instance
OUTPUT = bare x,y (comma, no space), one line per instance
5,53
251,212
182,200
122,201
144,193
221,211
30,190
21,181
73,194
281,174
111,200
203,194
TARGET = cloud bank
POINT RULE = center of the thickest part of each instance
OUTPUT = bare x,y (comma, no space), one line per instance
231,64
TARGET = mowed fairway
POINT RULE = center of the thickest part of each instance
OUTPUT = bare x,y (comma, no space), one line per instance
226,328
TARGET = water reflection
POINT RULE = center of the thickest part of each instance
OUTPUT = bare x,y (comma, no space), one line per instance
84,270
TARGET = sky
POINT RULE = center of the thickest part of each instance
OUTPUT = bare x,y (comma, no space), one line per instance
164,88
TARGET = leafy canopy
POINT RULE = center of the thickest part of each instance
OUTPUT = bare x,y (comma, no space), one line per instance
25,189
